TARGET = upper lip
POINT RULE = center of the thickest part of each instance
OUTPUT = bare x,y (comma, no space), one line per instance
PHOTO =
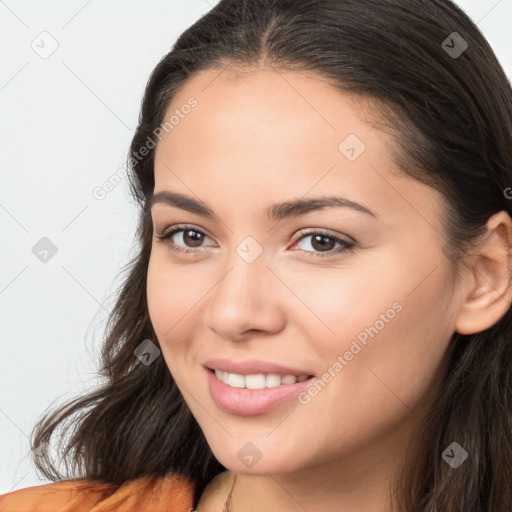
253,366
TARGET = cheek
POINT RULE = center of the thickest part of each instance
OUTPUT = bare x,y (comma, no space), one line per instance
172,292
159,297
382,337
171,297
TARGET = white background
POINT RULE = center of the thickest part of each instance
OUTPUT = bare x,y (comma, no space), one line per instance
65,127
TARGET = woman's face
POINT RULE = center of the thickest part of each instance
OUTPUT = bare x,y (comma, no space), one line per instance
369,315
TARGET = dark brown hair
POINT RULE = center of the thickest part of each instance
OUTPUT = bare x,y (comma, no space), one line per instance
451,119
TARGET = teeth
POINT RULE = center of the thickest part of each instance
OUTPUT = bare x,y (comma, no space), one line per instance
258,380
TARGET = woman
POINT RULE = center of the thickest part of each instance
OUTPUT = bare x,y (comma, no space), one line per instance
319,314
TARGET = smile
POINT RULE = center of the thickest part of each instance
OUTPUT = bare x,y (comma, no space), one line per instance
257,380
245,395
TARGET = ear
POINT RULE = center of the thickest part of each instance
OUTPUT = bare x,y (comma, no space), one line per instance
488,295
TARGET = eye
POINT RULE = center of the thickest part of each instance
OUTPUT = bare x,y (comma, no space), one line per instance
188,235
321,241
324,242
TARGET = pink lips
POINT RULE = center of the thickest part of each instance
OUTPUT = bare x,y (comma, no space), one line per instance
251,402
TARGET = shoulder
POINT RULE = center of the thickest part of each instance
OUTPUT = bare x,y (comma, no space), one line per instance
56,496
172,493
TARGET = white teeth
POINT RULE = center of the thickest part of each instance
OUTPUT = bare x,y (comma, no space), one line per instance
273,380
235,380
258,380
289,379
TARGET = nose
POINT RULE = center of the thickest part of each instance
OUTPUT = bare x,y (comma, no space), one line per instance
247,298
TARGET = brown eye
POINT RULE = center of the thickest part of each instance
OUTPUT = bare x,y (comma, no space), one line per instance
192,238
323,244
183,239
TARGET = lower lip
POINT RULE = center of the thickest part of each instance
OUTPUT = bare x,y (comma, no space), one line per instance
251,402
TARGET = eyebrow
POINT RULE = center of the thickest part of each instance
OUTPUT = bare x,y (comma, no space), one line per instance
275,212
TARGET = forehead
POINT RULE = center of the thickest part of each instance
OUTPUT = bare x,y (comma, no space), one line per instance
266,134
270,107
263,123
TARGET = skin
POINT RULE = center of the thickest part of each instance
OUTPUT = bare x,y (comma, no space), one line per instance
263,137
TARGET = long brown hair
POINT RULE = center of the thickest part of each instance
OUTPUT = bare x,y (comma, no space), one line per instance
451,119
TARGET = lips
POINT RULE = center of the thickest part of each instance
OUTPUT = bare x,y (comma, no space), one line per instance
254,366
252,402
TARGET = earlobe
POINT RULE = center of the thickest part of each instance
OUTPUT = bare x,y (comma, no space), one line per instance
490,295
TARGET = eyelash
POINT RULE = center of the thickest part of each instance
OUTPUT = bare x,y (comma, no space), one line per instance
347,246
